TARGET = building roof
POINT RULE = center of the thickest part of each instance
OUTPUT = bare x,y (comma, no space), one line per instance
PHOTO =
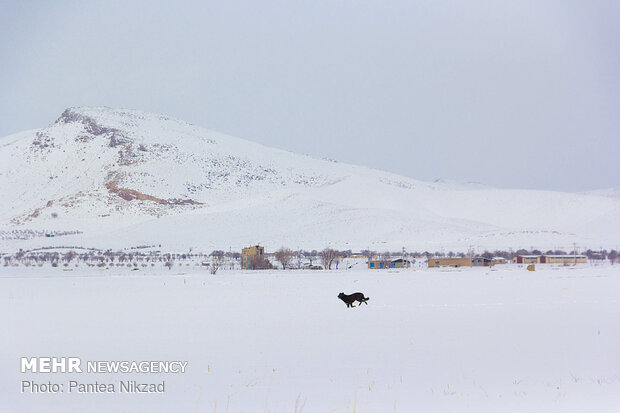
448,258
564,256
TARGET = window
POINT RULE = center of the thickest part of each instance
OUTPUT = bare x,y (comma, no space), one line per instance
372,265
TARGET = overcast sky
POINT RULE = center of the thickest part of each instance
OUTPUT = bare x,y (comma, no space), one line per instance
513,94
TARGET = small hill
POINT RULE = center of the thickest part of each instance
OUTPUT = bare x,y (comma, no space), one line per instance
114,178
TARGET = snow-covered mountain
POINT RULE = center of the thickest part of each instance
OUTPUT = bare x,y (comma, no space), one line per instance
608,192
109,178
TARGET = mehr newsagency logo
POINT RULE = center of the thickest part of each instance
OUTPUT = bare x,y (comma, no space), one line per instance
74,365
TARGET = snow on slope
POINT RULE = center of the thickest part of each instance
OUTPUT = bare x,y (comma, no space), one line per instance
608,192
125,178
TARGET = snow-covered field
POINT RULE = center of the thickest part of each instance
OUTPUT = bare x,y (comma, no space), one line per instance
500,339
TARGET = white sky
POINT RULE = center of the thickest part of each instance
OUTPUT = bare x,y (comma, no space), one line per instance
513,94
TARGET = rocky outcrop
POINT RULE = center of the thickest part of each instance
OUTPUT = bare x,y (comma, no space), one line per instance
132,194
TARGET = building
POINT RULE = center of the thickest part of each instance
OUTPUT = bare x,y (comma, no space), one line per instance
550,259
499,260
526,259
449,262
481,262
460,262
250,256
597,256
380,264
400,263
563,259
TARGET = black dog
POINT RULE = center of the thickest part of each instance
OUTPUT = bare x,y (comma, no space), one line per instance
350,299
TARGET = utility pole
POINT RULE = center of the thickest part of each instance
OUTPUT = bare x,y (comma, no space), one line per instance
574,253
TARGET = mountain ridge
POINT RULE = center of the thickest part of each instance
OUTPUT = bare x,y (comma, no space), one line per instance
143,178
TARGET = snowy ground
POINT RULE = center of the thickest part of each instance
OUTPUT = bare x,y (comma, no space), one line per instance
501,339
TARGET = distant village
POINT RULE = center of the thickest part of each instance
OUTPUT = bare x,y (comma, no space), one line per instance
256,258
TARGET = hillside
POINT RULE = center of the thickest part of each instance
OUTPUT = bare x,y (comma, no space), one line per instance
113,178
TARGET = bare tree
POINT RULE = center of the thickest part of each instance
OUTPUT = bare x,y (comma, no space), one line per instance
328,256
368,253
337,261
487,254
69,256
216,263
217,253
309,256
284,255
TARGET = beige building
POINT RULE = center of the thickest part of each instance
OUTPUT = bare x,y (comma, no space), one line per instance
550,259
460,262
563,259
252,255
449,262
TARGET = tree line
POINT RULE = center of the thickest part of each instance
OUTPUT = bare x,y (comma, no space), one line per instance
328,258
